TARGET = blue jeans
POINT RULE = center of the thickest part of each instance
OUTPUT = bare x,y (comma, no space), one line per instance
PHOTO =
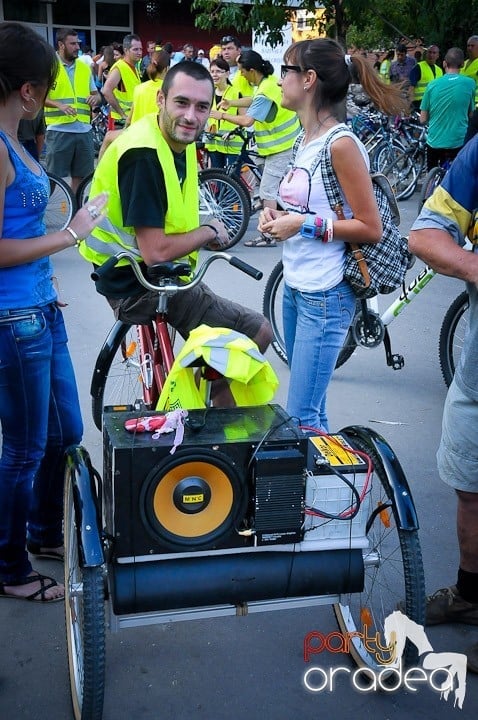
315,325
40,417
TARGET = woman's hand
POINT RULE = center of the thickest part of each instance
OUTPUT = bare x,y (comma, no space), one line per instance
279,224
89,216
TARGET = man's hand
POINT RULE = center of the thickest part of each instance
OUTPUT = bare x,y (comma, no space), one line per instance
222,238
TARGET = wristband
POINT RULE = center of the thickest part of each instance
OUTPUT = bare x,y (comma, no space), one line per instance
75,237
327,230
215,238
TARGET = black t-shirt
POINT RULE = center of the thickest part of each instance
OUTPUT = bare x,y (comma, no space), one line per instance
144,203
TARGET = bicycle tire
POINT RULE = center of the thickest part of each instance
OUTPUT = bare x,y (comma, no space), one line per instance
61,205
85,622
226,199
394,162
452,335
393,572
272,310
117,374
83,191
431,182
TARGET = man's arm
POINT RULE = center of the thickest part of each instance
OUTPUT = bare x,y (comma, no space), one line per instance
439,250
112,82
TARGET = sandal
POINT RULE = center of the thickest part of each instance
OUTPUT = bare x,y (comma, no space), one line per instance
261,241
45,553
38,595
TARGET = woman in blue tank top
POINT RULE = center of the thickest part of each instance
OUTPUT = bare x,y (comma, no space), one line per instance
39,409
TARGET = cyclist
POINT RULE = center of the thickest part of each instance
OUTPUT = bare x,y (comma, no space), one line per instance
275,127
151,174
437,237
222,151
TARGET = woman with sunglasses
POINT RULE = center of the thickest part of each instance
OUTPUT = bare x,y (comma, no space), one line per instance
275,127
318,303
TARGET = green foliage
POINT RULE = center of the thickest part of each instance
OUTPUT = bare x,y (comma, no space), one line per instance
365,23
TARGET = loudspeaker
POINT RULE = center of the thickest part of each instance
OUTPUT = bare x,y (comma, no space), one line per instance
235,468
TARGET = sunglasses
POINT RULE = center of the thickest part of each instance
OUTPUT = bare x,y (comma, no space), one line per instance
284,69
229,38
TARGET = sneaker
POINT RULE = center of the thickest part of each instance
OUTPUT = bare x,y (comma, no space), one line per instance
472,658
261,241
447,606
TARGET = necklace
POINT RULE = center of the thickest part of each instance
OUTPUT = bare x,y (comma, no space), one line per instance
317,127
16,140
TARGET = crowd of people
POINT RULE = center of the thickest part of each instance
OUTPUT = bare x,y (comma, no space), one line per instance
144,198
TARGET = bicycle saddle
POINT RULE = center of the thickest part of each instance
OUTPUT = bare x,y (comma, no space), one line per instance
168,269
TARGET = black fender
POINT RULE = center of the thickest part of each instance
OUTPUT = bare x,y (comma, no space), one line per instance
407,514
80,472
103,361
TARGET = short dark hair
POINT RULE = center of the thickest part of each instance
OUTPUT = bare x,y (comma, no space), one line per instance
402,48
195,70
220,63
63,33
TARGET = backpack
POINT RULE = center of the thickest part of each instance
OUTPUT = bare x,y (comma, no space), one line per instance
375,268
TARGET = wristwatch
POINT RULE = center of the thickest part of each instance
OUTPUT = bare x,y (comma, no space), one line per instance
308,229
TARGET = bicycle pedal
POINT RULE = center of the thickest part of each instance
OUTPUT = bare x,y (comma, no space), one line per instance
397,362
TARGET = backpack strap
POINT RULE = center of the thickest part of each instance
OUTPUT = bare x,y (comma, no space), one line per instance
335,197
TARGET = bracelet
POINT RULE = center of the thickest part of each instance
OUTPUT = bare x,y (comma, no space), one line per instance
328,230
215,232
75,237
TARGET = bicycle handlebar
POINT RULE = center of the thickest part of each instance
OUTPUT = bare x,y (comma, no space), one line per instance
168,286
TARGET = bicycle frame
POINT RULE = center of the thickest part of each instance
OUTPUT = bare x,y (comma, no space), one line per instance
407,295
157,357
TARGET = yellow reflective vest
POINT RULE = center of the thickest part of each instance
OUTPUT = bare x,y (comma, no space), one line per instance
233,144
279,134
234,355
145,99
470,69
75,94
426,76
124,91
182,215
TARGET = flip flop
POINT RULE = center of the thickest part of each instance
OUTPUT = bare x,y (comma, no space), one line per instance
261,242
39,595
44,553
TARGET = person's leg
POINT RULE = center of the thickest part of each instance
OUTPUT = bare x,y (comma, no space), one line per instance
83,158
24,391
59,153
457,459
64,428
322,321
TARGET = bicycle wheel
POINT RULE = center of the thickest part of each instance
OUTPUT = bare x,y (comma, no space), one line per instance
272,310
61,205
393,568
85,622
431,182
452,335
394,162
226,199
83,192
117,378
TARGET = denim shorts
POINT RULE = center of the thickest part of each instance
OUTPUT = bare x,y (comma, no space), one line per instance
457,455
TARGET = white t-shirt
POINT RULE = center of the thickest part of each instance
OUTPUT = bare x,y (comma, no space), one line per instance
309,264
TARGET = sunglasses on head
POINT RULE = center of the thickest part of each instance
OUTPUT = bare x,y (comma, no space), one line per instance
227,39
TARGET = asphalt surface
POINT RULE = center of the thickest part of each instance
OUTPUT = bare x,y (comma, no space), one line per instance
252,667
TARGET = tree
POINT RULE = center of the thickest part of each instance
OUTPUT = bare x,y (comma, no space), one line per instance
379,22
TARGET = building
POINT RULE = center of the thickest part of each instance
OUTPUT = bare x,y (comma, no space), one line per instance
100,22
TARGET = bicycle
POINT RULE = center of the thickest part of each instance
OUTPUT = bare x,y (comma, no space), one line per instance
369,328
220,196
432,180
61,205
134,361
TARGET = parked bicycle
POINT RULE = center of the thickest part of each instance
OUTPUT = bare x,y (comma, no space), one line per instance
369,328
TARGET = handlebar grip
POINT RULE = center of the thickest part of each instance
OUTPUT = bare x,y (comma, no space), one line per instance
102,270
245,268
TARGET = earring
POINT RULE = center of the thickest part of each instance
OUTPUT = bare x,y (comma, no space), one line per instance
305,88
32,99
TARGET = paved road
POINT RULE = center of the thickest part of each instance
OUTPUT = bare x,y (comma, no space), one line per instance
253,667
